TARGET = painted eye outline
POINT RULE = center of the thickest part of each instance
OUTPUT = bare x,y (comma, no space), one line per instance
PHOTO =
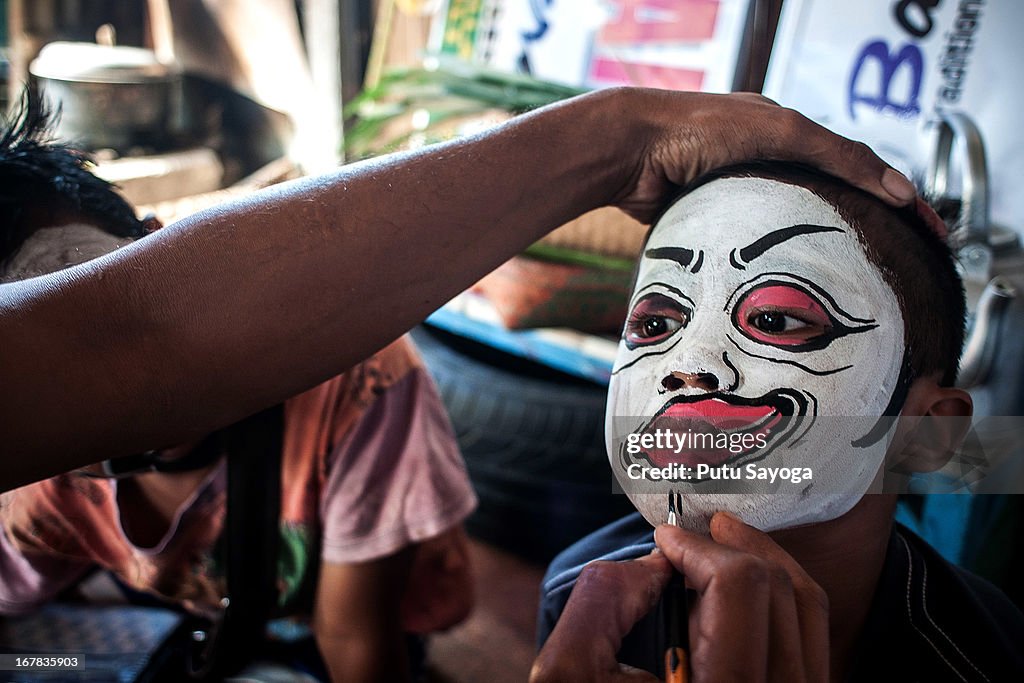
791,304
659,305
834,329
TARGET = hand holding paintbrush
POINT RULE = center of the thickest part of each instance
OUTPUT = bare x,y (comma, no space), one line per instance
761,615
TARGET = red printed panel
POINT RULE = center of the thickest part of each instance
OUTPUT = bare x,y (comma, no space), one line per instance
659,21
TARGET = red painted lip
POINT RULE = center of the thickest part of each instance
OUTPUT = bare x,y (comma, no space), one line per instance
723,415
710,417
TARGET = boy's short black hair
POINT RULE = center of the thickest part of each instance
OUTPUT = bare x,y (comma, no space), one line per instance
40,176
917,263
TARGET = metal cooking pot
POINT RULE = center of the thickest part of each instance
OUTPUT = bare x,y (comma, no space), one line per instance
113,97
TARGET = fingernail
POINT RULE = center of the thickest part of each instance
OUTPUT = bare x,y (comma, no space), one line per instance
896,184
729,515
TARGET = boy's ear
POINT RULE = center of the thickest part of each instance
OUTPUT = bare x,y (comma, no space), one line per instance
932,426
150,223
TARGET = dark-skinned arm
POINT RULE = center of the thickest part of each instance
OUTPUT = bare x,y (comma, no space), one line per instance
357,619
239,307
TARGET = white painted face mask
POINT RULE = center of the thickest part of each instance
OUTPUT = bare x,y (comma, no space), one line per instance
757,313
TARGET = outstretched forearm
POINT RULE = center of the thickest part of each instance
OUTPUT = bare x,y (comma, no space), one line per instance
235,308
242,306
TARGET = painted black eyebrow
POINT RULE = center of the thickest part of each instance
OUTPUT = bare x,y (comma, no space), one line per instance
680,255
739,259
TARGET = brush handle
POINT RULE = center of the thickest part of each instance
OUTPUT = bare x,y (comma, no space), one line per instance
676,665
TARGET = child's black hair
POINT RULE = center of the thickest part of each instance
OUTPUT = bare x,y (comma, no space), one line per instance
41,177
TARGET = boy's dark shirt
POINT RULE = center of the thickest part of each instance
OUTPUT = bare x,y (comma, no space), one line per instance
929,620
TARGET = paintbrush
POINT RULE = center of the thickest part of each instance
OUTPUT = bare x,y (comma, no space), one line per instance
677,669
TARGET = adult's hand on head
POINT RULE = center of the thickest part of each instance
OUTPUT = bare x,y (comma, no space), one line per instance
758,616
689,134
609,598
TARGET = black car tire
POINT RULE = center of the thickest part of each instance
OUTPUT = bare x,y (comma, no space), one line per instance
533,441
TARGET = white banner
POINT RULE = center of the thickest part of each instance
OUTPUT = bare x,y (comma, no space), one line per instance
671,44
879,70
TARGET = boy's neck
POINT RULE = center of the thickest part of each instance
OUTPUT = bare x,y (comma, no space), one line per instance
845,557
